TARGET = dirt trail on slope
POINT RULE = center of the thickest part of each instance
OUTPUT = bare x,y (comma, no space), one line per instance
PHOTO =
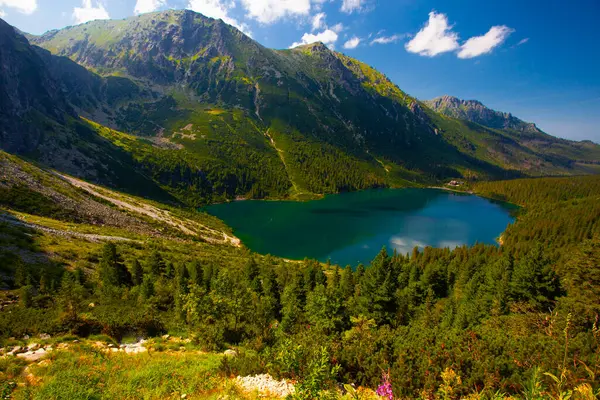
188,227
9,219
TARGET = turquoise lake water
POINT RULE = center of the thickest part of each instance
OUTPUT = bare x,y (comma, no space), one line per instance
351,228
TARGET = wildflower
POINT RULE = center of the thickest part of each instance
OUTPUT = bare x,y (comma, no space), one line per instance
385,389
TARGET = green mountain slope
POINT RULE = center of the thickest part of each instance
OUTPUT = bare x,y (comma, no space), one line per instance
309,96
208,114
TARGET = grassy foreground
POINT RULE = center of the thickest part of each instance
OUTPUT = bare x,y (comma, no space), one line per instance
172,368
84,371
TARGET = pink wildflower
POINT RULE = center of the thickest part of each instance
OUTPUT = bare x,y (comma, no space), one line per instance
385,389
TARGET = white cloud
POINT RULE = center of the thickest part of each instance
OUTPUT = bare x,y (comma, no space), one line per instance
219,10
2,14
436,37
146,6
22,6
269,11
349,6
328,37
386,39
523,41
337,28
479,45
87,12
318,21
352,43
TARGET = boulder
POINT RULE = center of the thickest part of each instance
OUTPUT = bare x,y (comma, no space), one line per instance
266,385
230,353
33,355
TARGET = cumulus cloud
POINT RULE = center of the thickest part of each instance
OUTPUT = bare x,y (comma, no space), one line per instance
2,14
318,21
146,6
386,39
352,43
87,12
219,10
435,38
479,45
337,28
349,6
22,6
328,37
269,11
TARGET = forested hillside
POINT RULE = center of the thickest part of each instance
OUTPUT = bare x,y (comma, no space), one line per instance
484,321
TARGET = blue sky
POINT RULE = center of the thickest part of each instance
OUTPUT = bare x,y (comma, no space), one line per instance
537,60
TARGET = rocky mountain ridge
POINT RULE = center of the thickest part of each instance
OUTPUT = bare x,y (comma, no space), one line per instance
475,111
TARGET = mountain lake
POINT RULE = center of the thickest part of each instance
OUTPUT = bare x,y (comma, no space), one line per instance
351,228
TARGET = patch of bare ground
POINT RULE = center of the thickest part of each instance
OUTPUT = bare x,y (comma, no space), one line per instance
186,226
9,219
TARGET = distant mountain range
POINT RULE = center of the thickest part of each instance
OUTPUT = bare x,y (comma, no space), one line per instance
474,111
177,106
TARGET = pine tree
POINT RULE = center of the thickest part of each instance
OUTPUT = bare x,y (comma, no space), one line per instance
169,271
534,280
335,281
113,271
347,283
44,282
25,295
21,275
70,295
156,264
270,291
322,310
251,275
137,273
183,278
378,286
147,287
196,272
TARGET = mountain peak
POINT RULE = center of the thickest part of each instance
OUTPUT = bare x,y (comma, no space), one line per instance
447,99
316,47
476,111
